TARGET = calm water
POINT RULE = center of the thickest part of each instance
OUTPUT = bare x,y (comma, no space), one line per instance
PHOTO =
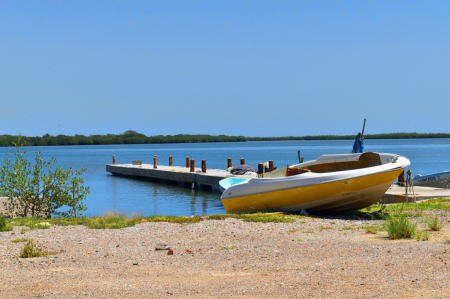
152,198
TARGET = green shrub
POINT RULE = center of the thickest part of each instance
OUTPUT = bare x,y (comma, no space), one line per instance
41,187
31,250
435,223
400,227
3,226
2,221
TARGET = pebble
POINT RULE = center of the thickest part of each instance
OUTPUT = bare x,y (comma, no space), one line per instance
162,246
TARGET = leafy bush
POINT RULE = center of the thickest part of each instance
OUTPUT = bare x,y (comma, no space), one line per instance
2,221
41,188
400,227
31,250
3,226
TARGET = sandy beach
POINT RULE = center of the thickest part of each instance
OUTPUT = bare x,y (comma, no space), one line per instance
311,257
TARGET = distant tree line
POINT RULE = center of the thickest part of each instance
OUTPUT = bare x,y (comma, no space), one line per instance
128,137
133,137
368,136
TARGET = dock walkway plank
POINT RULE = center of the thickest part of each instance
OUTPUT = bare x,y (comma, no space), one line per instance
212,177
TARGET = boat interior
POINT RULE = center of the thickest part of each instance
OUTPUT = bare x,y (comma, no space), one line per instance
366,160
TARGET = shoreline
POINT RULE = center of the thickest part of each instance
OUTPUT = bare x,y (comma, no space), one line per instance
226,257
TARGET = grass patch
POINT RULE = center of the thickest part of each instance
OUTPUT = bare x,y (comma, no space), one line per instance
31,250
347,228
325,227
173,219
308,232
426,205
434,223
227,248
255,217
400,227
292,231
6,228
422,235
372,229
117,220
35,221
20,240
377,207
42,225
112,220
447,240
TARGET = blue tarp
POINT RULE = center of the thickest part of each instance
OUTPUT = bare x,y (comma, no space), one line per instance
358,146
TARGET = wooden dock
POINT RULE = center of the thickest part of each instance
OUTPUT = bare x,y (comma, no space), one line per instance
396,194
210,178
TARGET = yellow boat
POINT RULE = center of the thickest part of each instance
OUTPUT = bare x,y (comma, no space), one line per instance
330,183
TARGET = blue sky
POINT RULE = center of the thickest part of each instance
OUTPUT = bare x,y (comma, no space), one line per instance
252,68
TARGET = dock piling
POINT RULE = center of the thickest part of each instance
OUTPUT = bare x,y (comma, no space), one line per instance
260,169
170,161
155,162
242,161
192,165
114,160
187,162
270,165
229,163
204,166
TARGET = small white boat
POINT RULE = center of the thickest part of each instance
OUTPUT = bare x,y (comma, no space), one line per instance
330,183
437,180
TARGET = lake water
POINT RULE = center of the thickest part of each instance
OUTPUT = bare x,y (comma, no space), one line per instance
110,192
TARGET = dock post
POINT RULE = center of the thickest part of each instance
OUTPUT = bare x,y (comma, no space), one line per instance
260,169
242,161
204,166
192,165
187,162
170,161
155,162
229,163
270,165
114,160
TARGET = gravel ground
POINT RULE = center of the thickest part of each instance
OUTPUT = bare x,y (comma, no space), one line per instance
226,258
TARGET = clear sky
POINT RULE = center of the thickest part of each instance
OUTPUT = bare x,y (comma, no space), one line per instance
252,68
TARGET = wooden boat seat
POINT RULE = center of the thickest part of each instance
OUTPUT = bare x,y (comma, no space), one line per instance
366,160
290,171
